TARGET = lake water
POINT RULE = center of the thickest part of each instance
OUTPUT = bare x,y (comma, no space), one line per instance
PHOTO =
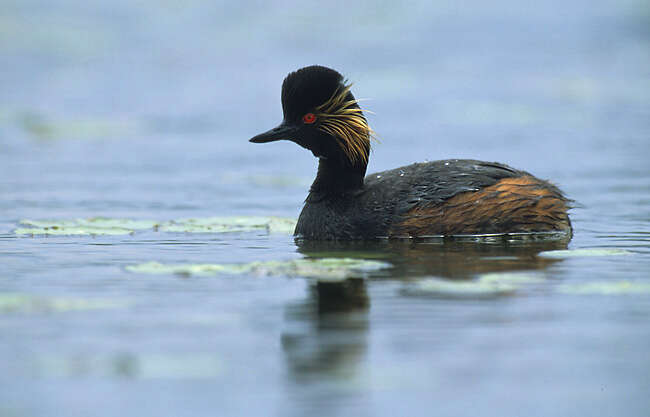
125,111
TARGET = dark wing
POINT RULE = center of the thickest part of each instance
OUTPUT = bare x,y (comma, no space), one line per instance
427,183
441,180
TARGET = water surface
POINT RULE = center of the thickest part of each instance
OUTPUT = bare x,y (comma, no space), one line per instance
142,111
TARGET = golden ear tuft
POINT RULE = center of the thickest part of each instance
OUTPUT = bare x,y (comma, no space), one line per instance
343,119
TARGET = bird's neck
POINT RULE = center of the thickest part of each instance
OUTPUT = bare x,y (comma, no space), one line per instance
336,177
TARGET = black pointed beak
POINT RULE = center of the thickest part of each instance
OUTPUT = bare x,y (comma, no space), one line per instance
283,131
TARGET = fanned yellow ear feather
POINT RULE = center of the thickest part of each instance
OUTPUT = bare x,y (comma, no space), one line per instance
344,120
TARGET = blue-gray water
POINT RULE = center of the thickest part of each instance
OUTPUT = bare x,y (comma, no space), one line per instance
142,110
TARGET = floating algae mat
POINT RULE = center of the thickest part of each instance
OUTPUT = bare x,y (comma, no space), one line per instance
441,288
111,226
575,253
499,284
512,278
485,286
25,303
230,224
321,269
90,226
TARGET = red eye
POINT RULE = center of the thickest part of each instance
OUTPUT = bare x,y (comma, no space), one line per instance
309,118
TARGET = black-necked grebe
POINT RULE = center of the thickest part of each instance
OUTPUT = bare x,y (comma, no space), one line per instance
450,197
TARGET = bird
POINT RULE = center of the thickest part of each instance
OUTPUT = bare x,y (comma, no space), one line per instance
449,197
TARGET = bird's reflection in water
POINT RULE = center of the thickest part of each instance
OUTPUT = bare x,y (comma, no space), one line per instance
443,258
326,335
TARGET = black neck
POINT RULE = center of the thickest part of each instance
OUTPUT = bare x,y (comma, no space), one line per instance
337,177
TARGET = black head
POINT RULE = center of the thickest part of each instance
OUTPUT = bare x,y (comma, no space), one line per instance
322,115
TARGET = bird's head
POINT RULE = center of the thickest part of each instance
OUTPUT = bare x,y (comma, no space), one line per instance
322,115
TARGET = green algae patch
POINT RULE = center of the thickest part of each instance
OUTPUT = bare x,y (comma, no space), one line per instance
71,231
25,303
187,269
575,253
510,278
281,225
91,226
606,288
95,222
115,226
440,288
330,269
230,224
322,269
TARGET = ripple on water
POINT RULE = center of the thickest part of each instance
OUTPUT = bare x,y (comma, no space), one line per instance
606,288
